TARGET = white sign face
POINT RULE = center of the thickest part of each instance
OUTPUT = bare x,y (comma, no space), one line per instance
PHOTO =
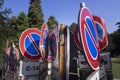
28,68
94,76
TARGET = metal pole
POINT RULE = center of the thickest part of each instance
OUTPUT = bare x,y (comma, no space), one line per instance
62,51
82,4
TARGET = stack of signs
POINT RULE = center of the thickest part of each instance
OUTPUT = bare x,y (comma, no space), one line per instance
32,45
89,37
92,36
32,42
102,32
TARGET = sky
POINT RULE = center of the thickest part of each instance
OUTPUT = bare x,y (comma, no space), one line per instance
66,11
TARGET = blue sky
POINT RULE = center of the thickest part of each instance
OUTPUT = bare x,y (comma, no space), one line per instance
66,11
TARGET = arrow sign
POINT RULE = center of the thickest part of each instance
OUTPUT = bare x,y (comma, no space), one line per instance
89,38
29,43
102,32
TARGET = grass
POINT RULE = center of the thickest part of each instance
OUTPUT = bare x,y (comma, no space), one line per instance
116,67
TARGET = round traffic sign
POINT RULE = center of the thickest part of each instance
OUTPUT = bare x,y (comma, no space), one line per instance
44,34
102,32
43,40
29,43
89,37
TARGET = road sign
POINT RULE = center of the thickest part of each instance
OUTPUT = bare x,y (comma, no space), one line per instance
76,38
44,34
102,32
54,40
43,40
94,75
89,38
29,43
29,70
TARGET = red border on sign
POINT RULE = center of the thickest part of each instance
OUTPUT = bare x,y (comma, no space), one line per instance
104,41
93,62
21,43
43,28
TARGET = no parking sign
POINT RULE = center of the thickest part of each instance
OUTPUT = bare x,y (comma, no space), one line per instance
89,38
102,32
29,43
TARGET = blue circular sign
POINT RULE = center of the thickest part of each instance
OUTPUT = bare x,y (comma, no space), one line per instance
89,37
29,43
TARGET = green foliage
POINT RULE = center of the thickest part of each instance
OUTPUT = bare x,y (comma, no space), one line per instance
110,46
3,13
51,22
35,14
5,31
72,26
116,42
118,24
22,22
19,24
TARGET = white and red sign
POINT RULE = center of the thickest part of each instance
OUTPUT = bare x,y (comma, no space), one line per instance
102,32
29,43
89,37
43,40
44,34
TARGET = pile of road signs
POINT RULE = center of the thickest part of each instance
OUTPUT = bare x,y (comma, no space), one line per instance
32,43
93,36
90,37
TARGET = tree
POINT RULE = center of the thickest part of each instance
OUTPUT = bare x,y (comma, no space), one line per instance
35,14
111,45
19,24
3,13
4,29
118,24
51,22
114,42
72,26
22,22
12,21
